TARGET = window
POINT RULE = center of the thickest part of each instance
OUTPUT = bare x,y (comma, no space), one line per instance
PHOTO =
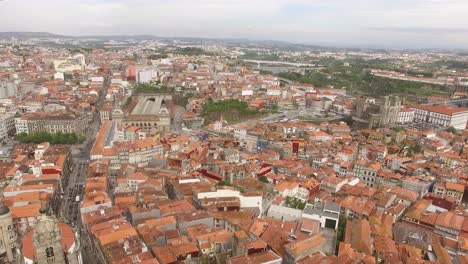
50,252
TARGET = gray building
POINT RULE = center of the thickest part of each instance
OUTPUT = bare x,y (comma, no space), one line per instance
8,89
284,213
379,113
327,213
192,218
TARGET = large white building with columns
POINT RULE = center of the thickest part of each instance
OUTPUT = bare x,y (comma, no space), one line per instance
441,115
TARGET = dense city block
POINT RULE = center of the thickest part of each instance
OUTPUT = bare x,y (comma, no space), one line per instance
206,151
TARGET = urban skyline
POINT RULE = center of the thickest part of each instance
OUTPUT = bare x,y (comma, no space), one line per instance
233,132
357,23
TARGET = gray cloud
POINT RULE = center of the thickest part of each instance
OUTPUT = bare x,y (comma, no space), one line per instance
416,30
414,23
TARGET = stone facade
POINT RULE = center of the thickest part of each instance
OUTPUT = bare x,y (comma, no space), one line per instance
8,237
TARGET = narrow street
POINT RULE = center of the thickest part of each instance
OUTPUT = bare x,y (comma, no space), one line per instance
74,191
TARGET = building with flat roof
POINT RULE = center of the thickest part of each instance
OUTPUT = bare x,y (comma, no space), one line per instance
327,213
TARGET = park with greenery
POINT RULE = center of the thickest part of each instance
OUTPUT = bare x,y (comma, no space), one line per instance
58,138
145,88
232,110
359,81
193,51
341,232
157,56
254,55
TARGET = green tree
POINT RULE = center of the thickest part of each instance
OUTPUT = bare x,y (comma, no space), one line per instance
341,231
452,130
232,110
81,139
263,179
224,183
58,138
348,120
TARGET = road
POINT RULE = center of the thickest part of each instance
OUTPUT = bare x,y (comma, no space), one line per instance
74,191
294,114
296,64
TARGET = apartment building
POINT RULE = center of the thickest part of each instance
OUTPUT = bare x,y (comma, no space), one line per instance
52,122
7,125
450,189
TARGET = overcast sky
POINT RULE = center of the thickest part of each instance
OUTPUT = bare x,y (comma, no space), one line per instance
376,23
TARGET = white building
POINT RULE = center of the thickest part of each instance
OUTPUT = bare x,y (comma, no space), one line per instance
7,125
406,115
21,126
7,89
441,115
240,133
97,79
274,91
287,189
247,200
247,91
308,88
146,75
284,213
59,76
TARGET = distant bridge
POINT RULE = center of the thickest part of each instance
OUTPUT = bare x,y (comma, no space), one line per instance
295,64
281,69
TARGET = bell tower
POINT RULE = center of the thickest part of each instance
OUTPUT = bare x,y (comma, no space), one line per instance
47,240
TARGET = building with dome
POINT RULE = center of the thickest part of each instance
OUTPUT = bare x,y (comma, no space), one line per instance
51,242
9,245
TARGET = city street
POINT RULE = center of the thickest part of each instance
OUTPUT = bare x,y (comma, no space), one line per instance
74,191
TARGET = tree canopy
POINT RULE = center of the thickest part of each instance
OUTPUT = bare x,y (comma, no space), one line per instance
358,80
58,138
232,110
144,88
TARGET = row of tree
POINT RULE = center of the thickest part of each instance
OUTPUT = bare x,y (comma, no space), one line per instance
58,138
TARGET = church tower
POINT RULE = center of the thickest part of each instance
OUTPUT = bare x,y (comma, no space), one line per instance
9,246
51,242
47,239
